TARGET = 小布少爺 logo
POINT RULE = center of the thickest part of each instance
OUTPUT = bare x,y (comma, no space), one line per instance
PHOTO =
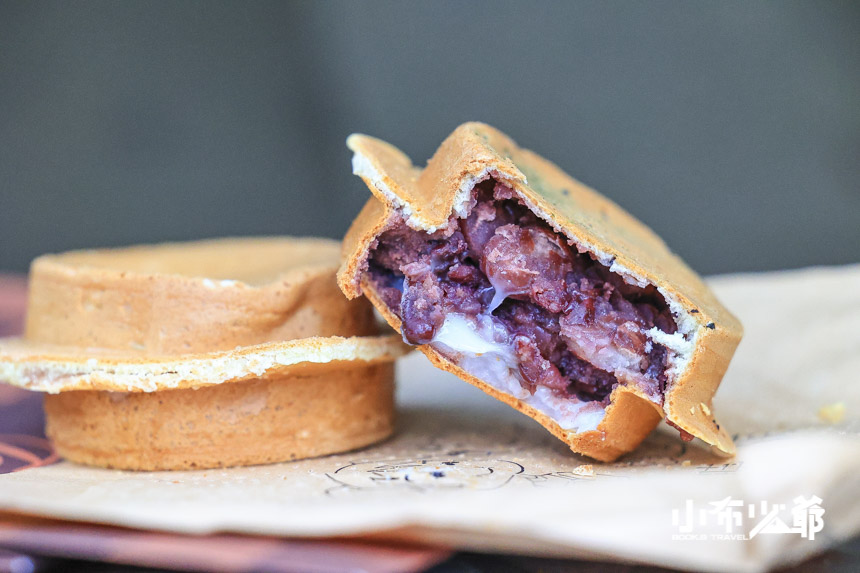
741,521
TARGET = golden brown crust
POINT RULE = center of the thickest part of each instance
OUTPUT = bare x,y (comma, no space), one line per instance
136,348
309,410
427,198
187,315
184,298
370,223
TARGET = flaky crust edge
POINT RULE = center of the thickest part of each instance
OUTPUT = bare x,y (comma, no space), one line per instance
53,369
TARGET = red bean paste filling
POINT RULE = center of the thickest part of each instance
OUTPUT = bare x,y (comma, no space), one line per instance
559,301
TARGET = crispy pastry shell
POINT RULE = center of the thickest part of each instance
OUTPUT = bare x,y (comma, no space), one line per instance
426,198
203,354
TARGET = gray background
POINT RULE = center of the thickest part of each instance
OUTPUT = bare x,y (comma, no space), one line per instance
733,129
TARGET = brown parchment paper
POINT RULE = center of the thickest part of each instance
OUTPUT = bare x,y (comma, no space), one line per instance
468,472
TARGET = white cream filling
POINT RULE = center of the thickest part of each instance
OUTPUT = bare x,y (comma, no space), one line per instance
461,334
483,356
499,294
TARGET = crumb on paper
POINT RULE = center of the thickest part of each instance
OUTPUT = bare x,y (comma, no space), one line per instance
832,413
585,470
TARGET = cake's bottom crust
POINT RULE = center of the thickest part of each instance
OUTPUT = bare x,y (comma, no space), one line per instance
312,410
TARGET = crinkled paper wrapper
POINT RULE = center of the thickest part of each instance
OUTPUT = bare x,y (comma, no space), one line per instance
468,472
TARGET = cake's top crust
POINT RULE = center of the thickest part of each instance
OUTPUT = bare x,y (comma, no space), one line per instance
254,262
200,296
707,332
181,315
